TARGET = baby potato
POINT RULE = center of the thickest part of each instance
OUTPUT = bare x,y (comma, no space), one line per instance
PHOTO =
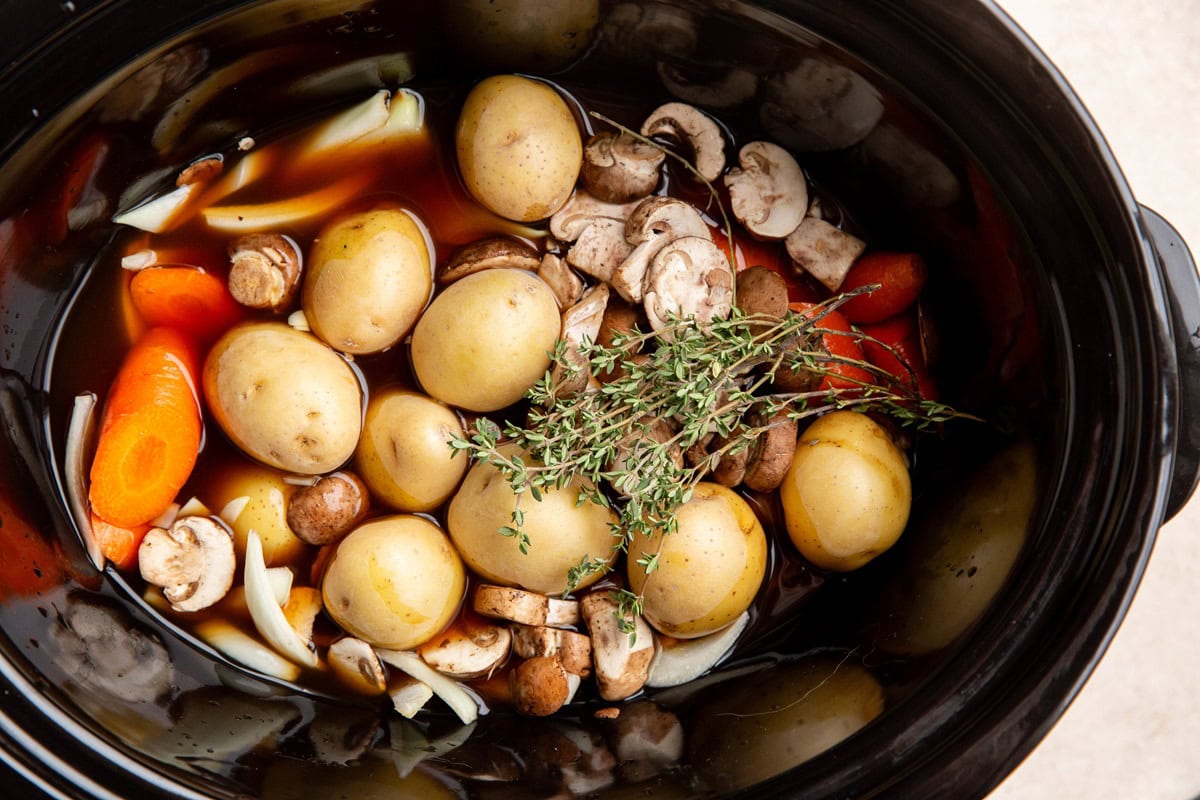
847,495
518,147
367,279
265,511
404,456
394,582
561,531
708,570
283,397
485,339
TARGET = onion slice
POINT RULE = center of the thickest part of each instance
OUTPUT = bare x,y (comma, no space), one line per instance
454,694
161,213
411,697
282,213
267,614
79,434
686,660
246,650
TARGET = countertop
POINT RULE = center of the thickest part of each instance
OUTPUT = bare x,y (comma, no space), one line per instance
1132,732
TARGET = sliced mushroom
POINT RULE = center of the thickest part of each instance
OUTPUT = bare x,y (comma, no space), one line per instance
689,278
621,666
689,124
825,252
326,511
819,105
581,210
771,455
193,562
357,666
580,323
469,648
495,253
541,685
573,649
730,469
264,270
527,608
618,167
600,249
653,224
678,661
767,192
730,88
202,170
561,279
762,291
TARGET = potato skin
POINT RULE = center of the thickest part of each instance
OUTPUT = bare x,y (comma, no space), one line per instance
367,279
394,582
847,496
518,145
403,454
709,570
283,397
266,513
561,532
484,340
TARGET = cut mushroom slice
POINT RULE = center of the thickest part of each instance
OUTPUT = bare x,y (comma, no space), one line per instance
462,702
653,224
767,191
561,279
573,650
621,666
580,325
678,661
689,124
771,454
581,210
193,561
268,616
600,249
495,253
824,251
264,271
689,278
526,608
356,665
469,648
922,178
731,88
79,434
618,167
243,648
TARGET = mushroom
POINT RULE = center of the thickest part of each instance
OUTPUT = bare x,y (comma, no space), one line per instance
580,324
323,513
652,225
355,664
730,469
767,192
622,666
819,105
689,278
824,251
469,648
495,253
264,270
600,249
573,650
639,32
202,170
193,562
771,454
679,661
618,167
689,124
341,735
541,685
561,279
527,608
762,291
731,88
581,210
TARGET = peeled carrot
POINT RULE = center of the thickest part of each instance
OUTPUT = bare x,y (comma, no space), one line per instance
839,339
119,545
185,298
150,432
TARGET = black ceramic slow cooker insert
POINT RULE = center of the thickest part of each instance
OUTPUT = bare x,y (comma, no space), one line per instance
1070,313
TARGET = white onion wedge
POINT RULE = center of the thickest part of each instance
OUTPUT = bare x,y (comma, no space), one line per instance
139,260
79,434
685,660
192,508
281,579
411,697
348,126
299,321
454,694
267,614
246,650
233,509
247,170
282,213
159,214
406,117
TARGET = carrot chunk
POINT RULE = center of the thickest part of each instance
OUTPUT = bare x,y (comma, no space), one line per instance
185,298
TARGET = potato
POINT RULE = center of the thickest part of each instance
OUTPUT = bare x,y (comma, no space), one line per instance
367,279
283,397
518,147
404,456
529,35
484,340
708,570
561,531
265,511
847,495
394,582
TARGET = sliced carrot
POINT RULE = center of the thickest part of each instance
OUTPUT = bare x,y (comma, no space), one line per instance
119,545
895,345
900,278
842,343
150,432
185,298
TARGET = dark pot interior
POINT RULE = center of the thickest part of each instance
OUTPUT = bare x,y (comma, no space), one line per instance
1059,328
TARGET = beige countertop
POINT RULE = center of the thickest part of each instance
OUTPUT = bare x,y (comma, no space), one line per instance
1132,733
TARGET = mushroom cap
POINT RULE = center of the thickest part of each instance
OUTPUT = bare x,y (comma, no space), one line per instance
600,249
689,124
540,686
771,455
767,192
264,270
494,253
193,561
690,277
618,167
580,210
654,223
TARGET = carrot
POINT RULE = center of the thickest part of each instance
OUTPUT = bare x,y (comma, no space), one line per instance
900,278
150,432
895,345
185,298
119,545
839,339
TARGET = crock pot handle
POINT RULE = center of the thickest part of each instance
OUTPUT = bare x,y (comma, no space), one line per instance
1183,296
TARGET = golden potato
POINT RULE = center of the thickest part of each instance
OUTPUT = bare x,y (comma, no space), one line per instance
709,570
485,340
847,495
404,456
283,397
367,279
265,511
394,582
561,531
518,147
